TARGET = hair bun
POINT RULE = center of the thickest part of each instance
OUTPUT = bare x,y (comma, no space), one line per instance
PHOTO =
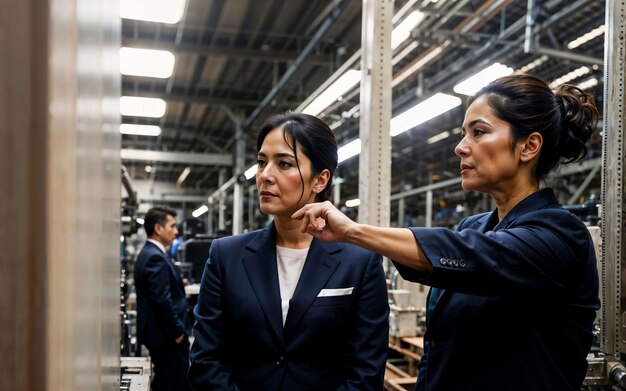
579,116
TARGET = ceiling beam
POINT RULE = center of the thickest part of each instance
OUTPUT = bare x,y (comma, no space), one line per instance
178,94
222,51
209,159
182,97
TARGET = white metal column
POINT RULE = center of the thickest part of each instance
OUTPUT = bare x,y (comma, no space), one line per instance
608,369
220,211
240,155
613,178
375,158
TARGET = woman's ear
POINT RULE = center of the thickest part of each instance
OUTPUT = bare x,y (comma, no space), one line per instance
531,147
321,180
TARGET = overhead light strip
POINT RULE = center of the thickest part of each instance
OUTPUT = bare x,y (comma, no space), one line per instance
575,74
474,83
583,39
353,203
335,91
200,211
160,11
142,107
183,176
140,130
146,62
403,30
423,111
251,172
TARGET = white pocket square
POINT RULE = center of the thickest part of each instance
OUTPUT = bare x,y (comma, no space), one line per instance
335,292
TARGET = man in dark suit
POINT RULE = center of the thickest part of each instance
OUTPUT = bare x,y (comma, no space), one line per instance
161,304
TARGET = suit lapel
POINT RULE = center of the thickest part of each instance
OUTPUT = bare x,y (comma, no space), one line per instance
165,258
262,272
320,264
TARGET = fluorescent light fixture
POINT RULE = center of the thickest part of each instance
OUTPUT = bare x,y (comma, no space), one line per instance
183,176
438,137
533,64
140,130
353,203
575,74
335,91
163,11
353,148
588,83
403,30
583,39
251,172
200,211
474,83
146,62
423,111
139,220
142,107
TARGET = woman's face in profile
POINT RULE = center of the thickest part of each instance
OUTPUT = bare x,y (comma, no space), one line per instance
278,180
487,162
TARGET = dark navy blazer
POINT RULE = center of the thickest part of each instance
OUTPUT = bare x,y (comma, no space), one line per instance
328,343
517,301
161,303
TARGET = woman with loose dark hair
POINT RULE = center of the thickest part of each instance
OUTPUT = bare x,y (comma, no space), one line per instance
278,309
514,291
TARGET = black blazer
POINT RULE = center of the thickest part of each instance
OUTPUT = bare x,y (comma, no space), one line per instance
335,342
518,303
161,303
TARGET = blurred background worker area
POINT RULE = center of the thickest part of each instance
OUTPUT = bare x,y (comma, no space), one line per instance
323,195
161,304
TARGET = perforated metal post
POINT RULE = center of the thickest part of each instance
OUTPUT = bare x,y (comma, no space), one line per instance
375,158
607,369
613,182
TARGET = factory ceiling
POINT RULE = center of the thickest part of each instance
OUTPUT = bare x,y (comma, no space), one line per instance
239,61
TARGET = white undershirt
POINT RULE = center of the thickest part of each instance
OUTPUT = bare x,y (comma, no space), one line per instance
290,263
158,244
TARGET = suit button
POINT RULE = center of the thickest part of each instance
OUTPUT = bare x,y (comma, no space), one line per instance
279,361
462,263
455,263
443,261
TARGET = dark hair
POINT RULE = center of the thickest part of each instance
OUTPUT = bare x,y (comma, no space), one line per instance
156,215
314,138
565,118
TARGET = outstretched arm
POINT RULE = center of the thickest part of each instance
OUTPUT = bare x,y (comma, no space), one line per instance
398,244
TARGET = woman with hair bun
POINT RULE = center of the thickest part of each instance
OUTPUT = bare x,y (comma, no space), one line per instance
514,292
279,310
